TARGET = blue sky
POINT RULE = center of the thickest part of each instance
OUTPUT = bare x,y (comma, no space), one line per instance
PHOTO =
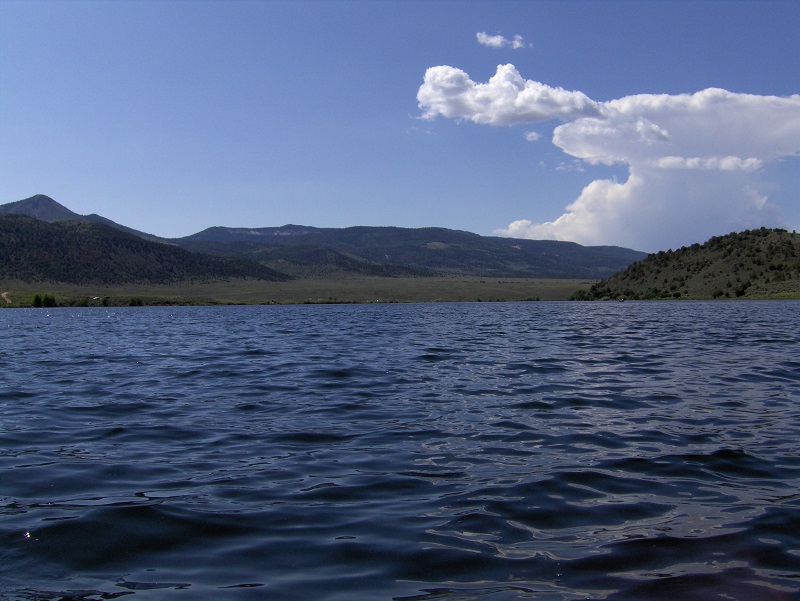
174,116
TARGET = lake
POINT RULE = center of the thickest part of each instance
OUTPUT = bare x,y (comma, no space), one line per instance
487,451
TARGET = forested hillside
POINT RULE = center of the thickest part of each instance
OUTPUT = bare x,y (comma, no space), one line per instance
92,253
331,253
753,263
424,251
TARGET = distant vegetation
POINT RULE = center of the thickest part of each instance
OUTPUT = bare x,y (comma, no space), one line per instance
103,263
299,291
400,252
92,253
763,263
319,253
89,261
46,300
45,208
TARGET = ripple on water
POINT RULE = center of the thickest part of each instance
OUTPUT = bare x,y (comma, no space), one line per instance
545,451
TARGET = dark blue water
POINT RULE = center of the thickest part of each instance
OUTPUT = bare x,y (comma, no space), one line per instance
416,452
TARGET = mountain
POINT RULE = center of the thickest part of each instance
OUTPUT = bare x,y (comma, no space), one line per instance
41,207
83,252
310,252
432,251
45,208
753,263
288,249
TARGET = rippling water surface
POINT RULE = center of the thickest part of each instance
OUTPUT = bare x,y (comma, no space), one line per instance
414,452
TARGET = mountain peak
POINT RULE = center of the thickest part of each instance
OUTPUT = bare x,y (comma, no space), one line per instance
40,207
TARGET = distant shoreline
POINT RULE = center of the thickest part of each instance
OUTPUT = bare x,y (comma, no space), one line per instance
342,292
355,290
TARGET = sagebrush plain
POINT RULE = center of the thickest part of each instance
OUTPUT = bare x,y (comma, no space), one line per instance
343,290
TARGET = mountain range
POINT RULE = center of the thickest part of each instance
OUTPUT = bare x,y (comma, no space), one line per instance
42,239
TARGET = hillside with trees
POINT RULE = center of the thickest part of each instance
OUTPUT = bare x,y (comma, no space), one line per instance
45,208
82,252
330,253
763,263
424,251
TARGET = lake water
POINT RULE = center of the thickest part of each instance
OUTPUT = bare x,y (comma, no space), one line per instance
544,451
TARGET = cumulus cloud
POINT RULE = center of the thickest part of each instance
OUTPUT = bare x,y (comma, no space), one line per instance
693,159
505,100
532,136
499,41
654,210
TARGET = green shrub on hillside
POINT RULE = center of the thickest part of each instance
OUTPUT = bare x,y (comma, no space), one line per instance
754,263
46,300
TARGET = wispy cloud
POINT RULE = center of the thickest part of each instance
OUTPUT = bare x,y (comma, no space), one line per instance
499,41
692,158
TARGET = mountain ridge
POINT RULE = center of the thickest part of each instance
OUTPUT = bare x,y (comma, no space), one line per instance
429,249
387,251
85,252
44,208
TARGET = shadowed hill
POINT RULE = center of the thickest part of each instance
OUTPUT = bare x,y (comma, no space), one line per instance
82,252
41,207
422,250
309,252
753,263
45,208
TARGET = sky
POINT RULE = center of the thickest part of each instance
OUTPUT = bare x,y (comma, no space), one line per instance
640,123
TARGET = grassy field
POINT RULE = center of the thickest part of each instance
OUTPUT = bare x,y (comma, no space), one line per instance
351,290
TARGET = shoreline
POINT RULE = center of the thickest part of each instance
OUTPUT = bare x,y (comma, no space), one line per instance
366,290
357,290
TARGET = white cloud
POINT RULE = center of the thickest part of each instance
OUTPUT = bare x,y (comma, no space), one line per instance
505,100
532,136
573,165
729,163
653,210
692,158
499,41
492,41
